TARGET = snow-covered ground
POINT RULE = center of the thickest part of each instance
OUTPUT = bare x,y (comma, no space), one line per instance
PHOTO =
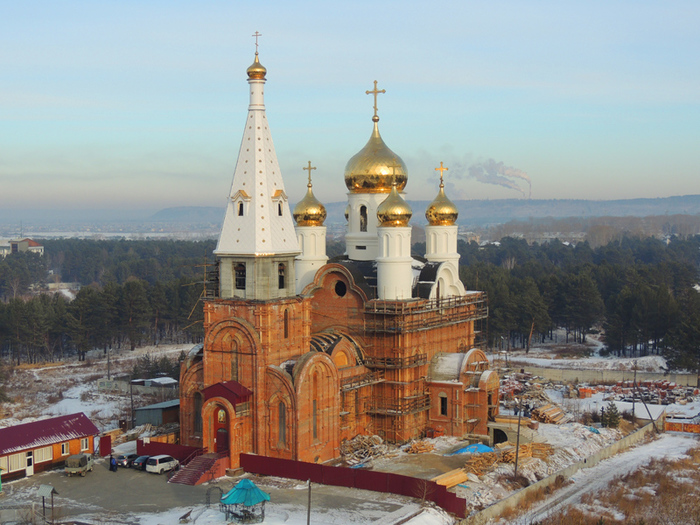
668,446
551,354
66,388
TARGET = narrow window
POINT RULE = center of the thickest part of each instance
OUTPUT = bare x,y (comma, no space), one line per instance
443,404
363,218
315,406
240,276
84,444
197,409
286,324
282,422
280,276
240,209
64,449
279,209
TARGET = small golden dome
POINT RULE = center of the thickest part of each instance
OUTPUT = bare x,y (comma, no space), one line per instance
394,211
375,167
309,211
256,71
442,211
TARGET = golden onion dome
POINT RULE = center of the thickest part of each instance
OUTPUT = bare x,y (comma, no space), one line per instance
394,211
256,71
309,211
442,211
375,167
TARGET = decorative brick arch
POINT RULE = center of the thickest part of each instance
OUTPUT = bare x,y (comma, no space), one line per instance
317,387
279,388
231,347
346,276
191,384
209,425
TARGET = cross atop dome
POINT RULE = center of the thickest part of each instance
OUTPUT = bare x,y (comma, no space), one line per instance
441,169
375,92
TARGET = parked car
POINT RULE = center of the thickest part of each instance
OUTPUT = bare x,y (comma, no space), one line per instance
125,460
140,462
79,464
161,463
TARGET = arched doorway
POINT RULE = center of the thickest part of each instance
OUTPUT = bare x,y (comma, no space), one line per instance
221,425
499,436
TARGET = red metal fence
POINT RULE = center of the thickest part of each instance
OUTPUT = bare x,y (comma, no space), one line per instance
179,452
356,478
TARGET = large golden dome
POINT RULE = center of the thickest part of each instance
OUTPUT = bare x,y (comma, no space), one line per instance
256,71
442,211
309,211
394,211
375,167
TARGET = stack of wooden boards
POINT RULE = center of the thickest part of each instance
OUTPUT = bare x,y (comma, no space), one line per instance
550,414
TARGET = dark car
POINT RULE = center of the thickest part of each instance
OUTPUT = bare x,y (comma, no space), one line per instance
125,460
140,462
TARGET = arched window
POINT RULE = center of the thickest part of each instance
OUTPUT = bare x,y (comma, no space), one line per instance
281,270
240,209
197,413
314,386
363,218
286,324
282,423
240,276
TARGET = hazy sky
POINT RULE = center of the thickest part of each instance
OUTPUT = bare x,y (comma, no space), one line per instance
141,104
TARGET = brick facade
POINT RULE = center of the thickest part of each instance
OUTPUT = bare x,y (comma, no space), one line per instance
329,364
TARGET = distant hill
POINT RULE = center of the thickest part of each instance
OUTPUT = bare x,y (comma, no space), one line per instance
486,212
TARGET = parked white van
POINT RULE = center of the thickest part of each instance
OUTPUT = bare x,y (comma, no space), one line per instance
160,464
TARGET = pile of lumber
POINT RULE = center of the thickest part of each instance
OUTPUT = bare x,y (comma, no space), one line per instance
549,414
361,449
420,447
528,450
481,463
451,478
478,464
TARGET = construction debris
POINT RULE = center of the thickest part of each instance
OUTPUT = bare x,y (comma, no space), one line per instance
479,464
420,447
361,449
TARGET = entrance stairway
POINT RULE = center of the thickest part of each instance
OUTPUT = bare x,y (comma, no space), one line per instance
201,469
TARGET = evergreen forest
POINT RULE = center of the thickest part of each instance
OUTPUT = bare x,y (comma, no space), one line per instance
640,292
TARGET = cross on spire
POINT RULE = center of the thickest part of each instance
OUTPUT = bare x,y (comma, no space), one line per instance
441,169
309,168
256,35
375,92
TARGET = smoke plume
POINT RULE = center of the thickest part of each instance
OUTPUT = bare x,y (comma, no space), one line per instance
492,172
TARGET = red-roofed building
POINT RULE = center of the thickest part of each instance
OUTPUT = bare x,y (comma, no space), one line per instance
45,444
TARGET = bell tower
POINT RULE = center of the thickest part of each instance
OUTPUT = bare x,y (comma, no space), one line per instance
258,244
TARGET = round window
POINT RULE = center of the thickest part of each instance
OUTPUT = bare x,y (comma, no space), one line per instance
340,288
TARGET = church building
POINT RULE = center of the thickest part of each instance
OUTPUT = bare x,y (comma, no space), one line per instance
302,352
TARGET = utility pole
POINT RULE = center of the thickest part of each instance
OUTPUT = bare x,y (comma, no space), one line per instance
308,506
517,441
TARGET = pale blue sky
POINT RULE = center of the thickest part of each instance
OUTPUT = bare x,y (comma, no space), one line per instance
141,104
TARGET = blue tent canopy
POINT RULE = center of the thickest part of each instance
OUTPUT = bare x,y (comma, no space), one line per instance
245,493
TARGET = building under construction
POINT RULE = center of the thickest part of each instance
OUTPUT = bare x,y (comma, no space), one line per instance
301,352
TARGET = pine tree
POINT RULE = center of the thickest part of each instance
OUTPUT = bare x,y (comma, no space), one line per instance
612,416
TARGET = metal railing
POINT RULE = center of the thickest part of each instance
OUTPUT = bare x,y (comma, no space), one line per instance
396,362
400,407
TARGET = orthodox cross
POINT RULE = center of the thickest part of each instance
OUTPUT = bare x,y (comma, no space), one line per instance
375,92
256,35
441,169
309,168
